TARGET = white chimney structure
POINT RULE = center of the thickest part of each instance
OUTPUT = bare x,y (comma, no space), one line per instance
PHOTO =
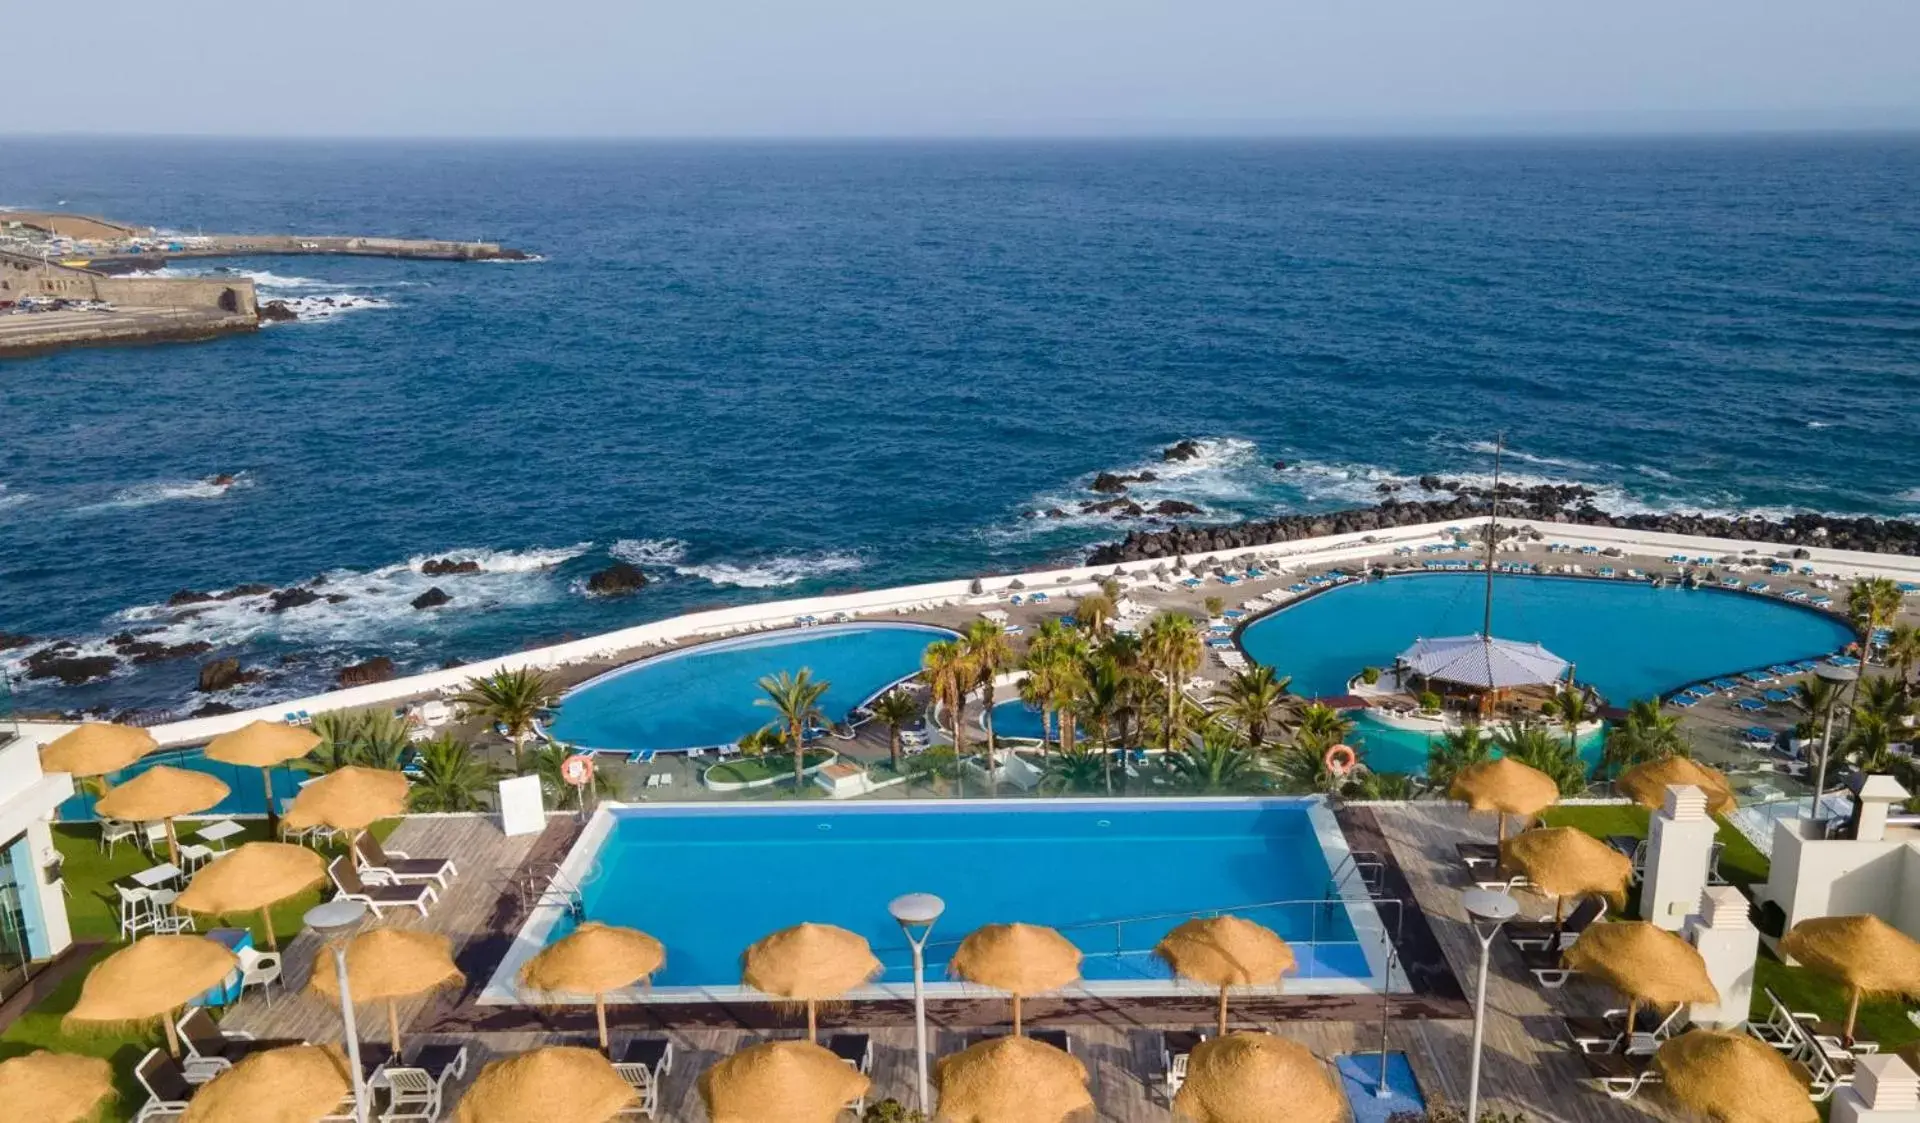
1723,932
1679,847
1885,1090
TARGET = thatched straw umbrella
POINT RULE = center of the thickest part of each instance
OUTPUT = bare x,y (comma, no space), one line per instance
96,749
1567,862
1254,1077
1863,953
810,964
294,1084
255,876
557,1084
162,792
1506,786
47,1087
781,1082
151,978
263,745
1021,959
1011,1080
1734,1078
349,799
1643,962
594,959
1224,952
1646,784
392,963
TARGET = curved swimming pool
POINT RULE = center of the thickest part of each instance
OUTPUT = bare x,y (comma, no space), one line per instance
706,695
1627,639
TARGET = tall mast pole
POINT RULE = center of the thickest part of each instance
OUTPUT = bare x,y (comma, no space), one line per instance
1493,521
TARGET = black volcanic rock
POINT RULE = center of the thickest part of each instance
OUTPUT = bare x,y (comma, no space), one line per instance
377,669
617,579
276,311
222,674
1175,507
11,640
1106,483
62,661
296,597
186,597
1181,450
432,598
146,652
446,567
212,709
1279,465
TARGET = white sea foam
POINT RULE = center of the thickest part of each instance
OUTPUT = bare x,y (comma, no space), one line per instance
527,260
1488,448
772,572
11,498
505,561
649,552
1819,424
313,309
166,491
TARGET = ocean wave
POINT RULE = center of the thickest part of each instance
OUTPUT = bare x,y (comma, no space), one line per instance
1819,424
504,561
167,491
772,572
527,260
313,309
11,498
261,278
649,552
1488,448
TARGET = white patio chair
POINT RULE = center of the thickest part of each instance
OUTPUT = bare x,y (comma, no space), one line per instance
113,832
411,1095
261,969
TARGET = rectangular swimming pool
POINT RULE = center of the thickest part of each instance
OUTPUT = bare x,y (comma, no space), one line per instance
1113,876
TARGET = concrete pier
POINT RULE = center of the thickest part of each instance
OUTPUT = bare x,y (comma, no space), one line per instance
107,246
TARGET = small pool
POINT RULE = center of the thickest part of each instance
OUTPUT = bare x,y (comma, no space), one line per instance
1628,639
1388,748
706,695
1114,876
244,798
1014,720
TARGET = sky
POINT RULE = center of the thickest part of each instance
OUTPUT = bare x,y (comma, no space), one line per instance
855,68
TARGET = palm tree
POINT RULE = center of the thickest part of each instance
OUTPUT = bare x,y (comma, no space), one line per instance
373,738
1216,764
1070,682
1816,698
1872,603
548,763
1171,647
1322,725
1646,733
764,740
796,698
943,667
450,777
510,698
1384,786
1881,695
1041,688
1570,709
1070,771
1869,740
1903,654
898,709
1103,688
1455,751
1094,614
1302,766
1531,744
989,655
1251,698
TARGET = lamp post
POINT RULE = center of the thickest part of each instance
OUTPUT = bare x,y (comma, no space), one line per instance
1838,678
1488,909
917,912
341,918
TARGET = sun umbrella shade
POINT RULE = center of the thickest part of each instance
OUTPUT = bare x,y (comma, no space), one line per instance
809,962
254,876
1646,784
47,1087
393,963
297,1084
1226,951
1021,959
1643,962
96,749
1568,862
558,1084
349,799
1011,1080
781,1082
1483,662
262,744
593,959
151,977
1257,1077
1733,1078
162,792
1861,951
1506,786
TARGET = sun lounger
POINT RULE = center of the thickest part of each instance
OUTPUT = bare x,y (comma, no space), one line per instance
417,1086
380,865
1545,935
1619,1075
168,1089
1751,705
643,1063
1175,1047
379,898
1777,696
209,1052
1475,854
854,1048
1549,970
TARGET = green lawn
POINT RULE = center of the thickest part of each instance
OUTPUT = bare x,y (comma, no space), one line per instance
1744,865
748,769
94,912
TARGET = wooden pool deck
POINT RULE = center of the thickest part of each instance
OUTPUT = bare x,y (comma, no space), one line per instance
1527,1066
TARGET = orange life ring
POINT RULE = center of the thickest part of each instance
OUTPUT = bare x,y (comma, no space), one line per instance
1341,760
577,770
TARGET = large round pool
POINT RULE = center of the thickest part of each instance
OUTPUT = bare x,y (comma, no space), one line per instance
705,695
1628,639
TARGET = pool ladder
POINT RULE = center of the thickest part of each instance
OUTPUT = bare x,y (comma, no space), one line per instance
1363,864
542,884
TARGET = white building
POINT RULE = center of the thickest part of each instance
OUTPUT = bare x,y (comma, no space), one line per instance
33,907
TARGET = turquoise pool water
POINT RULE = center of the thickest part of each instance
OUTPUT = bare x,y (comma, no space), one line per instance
1386,748
1627,638
706,695
1015,719
244,798
710,881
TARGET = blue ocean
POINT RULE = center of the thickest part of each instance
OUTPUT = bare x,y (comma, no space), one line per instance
761,370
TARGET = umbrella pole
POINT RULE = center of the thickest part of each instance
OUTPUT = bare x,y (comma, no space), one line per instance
1503,826
600,1019
266,921
266,794
1633,1017
1223,1011
813,1031
1559,912
173,1035
393,1026
1853,1012
1016,1015
173,844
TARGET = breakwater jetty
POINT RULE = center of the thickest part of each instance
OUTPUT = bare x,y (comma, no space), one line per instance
108,246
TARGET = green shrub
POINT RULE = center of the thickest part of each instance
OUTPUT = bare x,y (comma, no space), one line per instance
891,1111
1370,675
1429,702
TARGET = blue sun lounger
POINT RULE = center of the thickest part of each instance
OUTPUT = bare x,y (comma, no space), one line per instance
1777,695
1822,601
1730,582
1699,691
1725,684
1606,571
1805,666
1843,660
1758,587
1759,733
1781,670
1684,701
1752,705
1757,677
